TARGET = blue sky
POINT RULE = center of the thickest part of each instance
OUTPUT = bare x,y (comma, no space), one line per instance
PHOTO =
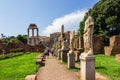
48,15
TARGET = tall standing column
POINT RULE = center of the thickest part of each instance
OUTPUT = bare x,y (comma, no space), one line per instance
64,49
37,36
28,39
33,37
62,36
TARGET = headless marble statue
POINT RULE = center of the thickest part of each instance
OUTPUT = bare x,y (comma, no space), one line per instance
88,34
71,41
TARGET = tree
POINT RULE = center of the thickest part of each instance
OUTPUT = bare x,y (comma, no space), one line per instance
106,15
81,25
22,38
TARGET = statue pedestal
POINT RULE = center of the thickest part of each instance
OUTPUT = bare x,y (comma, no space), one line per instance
59,55
64,52
71,60
87,67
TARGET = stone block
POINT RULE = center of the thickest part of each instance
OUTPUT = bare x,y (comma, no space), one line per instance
117,57
71,60
107,50
114,47
64,54
30,77
87,67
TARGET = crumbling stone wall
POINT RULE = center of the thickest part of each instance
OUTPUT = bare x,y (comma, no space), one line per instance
117,57
53,36
98,45
56,35
114,47
26,47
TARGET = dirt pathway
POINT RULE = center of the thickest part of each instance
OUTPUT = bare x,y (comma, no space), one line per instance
53,70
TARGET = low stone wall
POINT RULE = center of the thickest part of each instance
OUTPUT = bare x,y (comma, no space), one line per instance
26,48
114,47
117,57
98,45
107,50
2,47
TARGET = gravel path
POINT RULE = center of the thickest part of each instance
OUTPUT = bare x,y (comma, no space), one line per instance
53,70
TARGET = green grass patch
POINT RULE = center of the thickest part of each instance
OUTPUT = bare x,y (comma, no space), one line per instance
78,62
63,62
74,69
108,66
9,55
16,68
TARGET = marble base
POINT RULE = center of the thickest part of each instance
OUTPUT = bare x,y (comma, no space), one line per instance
64,54
71,60
87,67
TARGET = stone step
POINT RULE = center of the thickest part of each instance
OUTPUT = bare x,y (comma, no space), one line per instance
30,77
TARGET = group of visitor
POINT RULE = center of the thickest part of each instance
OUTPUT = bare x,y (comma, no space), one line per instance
47,51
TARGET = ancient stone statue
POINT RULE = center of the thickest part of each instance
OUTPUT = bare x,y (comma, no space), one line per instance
72,40
88,34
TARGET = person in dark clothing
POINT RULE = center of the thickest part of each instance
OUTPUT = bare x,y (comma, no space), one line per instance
46,52
52,51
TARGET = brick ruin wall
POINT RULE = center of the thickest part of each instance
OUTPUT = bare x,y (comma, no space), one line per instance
98,45
26,48
114,47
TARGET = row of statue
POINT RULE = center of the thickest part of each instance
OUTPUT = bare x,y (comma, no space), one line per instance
88,34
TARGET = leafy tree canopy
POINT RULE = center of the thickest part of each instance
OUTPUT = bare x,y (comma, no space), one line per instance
19,38
106,15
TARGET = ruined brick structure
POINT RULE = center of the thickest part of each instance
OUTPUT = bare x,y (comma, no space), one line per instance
114,47
33,40
56,36
117,56
53,37
45,41
98,45
26,47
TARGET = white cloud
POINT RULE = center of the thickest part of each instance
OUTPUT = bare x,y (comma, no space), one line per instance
70,21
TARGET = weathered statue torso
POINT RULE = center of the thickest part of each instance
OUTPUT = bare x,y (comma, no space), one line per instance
88,34
71,40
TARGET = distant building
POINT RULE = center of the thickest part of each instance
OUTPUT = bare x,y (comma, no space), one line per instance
55,37
32,39
35,39
44,40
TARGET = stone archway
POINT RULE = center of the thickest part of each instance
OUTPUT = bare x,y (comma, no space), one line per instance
32,40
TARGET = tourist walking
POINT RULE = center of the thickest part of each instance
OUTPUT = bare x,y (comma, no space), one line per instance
52,51
46,52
